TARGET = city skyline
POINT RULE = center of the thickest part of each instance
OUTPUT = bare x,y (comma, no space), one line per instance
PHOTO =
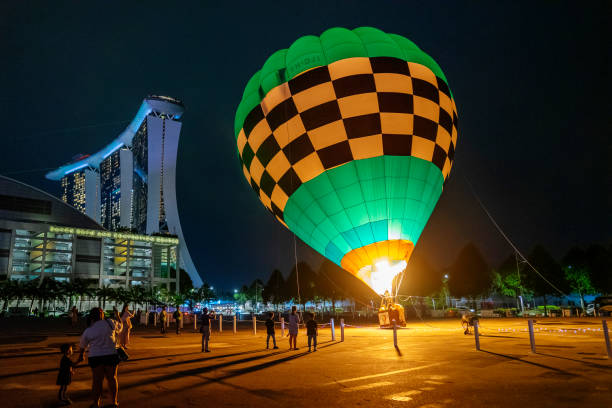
130,183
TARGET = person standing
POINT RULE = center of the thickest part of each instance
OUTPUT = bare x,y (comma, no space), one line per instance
294,321
178,318
311,331
162,318
74,317
126,321
205,328
99,339
270,330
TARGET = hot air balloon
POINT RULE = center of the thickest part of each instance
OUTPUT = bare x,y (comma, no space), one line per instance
347,139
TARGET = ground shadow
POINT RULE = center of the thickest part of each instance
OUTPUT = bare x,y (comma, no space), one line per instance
162,356
592,365
22,339
234,373
30,355
556,370
208,358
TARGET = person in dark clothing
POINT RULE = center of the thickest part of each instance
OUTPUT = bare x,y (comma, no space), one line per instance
311,332
163,315
178,316
64,377
205,328
270,330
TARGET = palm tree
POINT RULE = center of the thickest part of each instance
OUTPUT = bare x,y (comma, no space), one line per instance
104,293
178,299
121,296
31,291
80,288
137,295
8,292
49,290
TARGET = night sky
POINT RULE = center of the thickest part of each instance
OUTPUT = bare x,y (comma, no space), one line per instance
531,83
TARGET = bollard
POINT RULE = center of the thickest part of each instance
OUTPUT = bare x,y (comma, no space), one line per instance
341,329
607,337
155,319
282,327
181,324
195,322
220,323
147,319
476,335
531,336
234,324
394,334
333,329
254,325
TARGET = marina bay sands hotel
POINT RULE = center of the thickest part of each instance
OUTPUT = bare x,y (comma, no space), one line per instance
129,185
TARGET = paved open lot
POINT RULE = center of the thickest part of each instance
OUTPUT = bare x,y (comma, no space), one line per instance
436,365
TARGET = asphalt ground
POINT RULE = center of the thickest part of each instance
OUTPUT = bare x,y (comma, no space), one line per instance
434,365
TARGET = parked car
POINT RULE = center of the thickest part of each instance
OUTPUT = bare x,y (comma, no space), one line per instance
603,305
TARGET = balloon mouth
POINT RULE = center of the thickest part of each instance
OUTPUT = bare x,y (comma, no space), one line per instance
381,274
379,263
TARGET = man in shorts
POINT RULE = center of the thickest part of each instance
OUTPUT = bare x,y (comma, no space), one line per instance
205,328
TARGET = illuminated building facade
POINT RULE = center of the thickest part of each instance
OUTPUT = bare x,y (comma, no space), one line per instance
81,190
116,190
41,236
137,174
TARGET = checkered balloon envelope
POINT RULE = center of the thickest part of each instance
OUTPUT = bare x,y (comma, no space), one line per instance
347,139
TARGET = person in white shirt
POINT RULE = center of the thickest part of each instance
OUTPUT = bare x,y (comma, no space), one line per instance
126,321
99,339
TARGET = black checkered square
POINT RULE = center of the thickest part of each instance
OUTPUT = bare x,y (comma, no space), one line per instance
361,126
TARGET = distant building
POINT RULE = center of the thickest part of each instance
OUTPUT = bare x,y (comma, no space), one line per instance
116,190
81,189
137,174
41,236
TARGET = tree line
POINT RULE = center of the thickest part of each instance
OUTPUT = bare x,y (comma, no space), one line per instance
581,271
49,291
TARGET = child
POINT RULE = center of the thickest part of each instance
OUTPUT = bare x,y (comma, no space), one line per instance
64,377
311,331
270,330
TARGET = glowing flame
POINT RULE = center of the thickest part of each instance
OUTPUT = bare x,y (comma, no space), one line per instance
380,275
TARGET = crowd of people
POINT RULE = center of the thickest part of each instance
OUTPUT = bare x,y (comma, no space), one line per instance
105,341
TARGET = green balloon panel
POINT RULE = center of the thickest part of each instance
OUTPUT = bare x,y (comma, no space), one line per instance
364,201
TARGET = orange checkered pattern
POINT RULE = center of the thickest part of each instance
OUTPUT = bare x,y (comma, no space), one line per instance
352,109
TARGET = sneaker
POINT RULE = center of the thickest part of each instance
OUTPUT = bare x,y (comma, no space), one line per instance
295,348
207,351
275,347
315,350
309,350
